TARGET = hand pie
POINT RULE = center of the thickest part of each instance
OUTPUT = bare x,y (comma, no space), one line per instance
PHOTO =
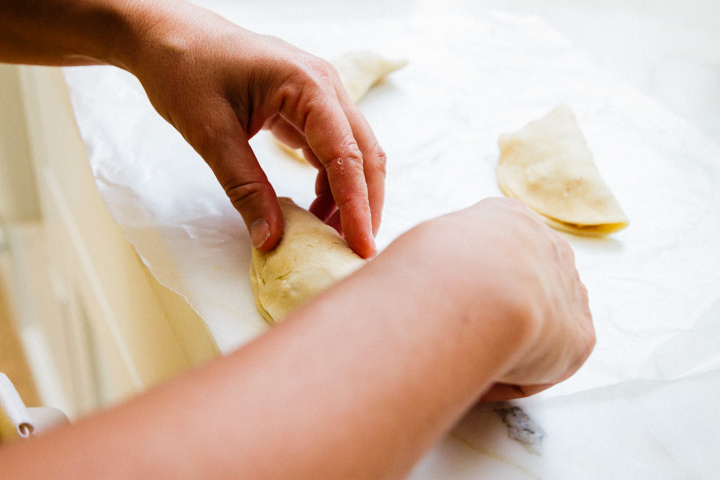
359,72
310,257
548,165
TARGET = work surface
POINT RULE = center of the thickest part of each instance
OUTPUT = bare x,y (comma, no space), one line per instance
644,404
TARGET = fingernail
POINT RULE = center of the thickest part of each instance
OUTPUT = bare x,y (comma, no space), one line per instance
259,232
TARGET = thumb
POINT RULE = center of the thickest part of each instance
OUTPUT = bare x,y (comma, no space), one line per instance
236,167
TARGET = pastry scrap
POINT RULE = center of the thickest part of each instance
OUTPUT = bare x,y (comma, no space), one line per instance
359,72
310,257
548,166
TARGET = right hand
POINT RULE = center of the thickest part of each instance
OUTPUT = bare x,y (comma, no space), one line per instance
533,280
219,84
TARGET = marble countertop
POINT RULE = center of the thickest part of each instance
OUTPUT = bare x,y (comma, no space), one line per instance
644,79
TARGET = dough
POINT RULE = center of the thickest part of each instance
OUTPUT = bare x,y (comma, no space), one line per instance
359,72
310,257
548,165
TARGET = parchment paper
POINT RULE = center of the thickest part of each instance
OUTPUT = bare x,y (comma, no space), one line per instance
654,288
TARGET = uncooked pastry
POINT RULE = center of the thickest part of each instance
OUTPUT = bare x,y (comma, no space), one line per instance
548,165
310,257
359,72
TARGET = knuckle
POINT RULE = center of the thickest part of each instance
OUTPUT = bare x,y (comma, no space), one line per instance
499,205
290,89
314,72
517,209
346,160
511,204
306,77
377,159
243,194
275,41
319,68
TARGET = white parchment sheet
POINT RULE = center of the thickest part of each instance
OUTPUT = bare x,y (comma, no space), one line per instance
654,288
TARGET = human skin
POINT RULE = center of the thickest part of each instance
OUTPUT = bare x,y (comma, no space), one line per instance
360,382
218,85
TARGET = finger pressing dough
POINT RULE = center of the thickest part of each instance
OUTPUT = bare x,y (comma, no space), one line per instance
548,166
359,72
310,257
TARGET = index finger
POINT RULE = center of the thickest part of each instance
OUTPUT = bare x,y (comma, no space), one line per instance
374,159
331,138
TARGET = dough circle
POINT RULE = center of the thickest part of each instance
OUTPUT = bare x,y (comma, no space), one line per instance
310,257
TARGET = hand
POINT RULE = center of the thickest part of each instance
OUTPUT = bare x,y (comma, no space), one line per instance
486,295
565,335
219,84
500,249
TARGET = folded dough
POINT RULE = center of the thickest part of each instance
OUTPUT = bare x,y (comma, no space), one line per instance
548,165
359,72
310,257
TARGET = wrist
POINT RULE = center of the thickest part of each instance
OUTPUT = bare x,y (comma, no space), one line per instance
137,26
161,31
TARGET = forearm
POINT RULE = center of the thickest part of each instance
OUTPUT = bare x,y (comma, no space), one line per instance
77,32
58,32
356,385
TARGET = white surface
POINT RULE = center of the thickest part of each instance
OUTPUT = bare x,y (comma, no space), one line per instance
636,430
668,49
654,288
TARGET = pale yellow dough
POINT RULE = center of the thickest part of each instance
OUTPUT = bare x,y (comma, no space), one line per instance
548,166
359,72
310,257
